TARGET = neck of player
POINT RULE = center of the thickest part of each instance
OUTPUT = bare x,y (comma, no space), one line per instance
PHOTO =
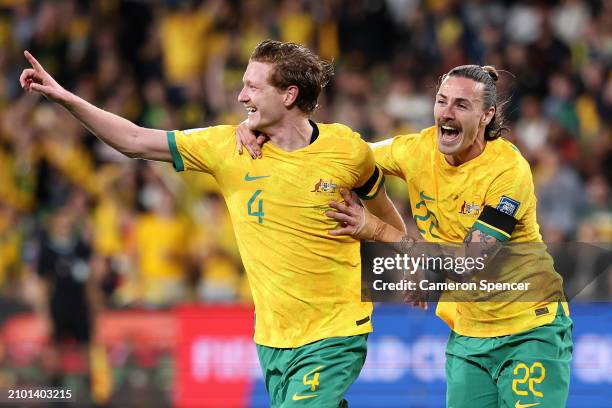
291,134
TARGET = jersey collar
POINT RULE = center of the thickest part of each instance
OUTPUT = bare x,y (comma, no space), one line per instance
315,131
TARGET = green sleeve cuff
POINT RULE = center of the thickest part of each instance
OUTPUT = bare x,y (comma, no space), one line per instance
177,160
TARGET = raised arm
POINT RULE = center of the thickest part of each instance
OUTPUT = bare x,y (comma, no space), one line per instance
119,133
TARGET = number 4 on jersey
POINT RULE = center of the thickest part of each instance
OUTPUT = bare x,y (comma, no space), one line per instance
259,213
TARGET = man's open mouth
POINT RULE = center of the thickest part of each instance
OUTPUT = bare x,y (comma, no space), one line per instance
449,134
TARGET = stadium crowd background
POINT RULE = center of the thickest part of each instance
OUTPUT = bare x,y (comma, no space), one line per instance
158,237
152,238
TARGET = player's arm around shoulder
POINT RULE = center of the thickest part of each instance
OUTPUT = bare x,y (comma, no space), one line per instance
379,211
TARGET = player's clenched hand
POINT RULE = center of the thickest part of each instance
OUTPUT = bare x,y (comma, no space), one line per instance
247,138
38,80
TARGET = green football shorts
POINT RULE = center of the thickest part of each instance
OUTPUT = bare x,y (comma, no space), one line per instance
314,375
523,370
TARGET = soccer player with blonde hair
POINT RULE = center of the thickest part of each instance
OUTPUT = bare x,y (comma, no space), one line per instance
311,326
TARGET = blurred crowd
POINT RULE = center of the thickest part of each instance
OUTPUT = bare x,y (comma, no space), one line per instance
151,237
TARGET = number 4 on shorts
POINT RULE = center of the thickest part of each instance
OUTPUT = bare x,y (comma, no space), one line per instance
314,382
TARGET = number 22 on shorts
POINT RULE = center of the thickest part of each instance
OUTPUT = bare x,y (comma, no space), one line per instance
531,375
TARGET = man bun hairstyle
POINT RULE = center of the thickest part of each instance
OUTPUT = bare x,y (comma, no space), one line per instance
296,65
488,76
491,71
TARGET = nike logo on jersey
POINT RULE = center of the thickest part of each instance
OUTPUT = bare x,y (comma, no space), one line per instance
297,397
251,178
519,405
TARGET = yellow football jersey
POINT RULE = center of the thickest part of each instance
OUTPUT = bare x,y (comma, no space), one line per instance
306,284
448,200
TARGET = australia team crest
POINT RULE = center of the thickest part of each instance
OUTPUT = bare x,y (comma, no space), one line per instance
324,186
472,209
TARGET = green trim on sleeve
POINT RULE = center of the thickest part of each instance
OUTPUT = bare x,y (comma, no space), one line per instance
489,230
177,160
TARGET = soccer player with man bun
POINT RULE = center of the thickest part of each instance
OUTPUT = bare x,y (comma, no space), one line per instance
467,184
311,326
